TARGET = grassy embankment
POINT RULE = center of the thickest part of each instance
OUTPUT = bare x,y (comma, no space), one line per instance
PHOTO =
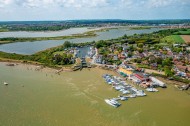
3,30
140,28
11,40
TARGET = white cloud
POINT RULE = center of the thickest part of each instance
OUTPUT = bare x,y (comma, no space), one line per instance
164,3
160,3
85,9
93,3
63,3
4,3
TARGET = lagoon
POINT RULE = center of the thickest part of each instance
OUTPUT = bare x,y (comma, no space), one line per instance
29,48
32,34
42,98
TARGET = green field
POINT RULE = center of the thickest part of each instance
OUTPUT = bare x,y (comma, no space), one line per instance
185,32
173,39
59,52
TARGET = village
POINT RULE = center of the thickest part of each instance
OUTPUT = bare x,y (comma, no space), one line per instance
139,58
140,63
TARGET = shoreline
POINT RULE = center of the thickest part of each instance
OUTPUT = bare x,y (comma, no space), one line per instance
36,65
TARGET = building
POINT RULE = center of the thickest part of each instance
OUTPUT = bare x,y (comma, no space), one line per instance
125,72
156,82
141,77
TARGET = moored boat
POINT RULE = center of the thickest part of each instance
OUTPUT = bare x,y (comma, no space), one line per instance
5,83
112,102
151,90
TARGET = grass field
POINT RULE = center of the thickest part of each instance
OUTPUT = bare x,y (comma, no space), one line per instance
174,39
187,32
59,53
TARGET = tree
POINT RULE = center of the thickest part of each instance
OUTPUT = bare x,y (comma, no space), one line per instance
140,45
124,37
131,48
67,44
130,55
140,50
99,44
167,62
168,72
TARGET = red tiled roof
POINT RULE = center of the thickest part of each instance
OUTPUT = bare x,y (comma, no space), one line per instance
139,77
180,67
188,74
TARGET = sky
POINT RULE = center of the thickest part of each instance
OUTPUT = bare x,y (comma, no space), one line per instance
31,10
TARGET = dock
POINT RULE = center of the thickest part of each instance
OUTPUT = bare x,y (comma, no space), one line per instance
83,64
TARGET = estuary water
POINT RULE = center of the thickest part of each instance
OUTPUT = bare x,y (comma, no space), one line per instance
28,48
42,98
31,34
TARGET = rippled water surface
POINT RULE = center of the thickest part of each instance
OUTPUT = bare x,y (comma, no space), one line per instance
41,98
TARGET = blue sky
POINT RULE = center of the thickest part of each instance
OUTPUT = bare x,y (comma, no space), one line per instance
93,9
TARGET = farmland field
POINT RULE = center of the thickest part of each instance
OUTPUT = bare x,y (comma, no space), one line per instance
186,38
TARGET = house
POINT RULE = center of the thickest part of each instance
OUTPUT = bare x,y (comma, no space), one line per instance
115,57
125,47
122,55
182,68
169,54
178,62
99,59
154,65
188,75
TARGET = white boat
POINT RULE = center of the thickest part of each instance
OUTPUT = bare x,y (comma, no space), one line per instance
5,83
123,98
151,90
140,93
112,102
132,96
117,88
125,92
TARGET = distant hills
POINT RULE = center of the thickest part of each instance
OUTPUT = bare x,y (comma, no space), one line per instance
99,21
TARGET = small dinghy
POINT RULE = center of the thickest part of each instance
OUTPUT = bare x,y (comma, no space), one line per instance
5,83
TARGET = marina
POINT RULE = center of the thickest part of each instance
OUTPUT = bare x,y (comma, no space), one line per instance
120,85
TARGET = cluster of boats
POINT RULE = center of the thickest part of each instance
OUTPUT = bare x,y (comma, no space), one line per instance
91,52
120,85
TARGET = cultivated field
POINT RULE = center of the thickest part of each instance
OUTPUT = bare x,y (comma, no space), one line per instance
186,38
174,39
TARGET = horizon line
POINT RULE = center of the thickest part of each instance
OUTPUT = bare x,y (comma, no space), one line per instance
97,19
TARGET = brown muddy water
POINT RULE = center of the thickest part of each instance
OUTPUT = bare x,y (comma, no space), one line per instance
42,98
